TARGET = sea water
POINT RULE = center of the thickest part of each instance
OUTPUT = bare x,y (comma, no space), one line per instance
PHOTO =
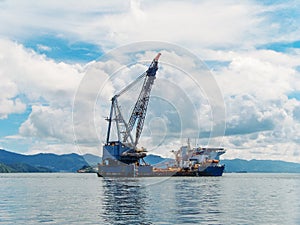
57,198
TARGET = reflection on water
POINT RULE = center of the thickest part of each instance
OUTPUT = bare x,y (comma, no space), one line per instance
199,200
172,201
124,201
231,199
87,199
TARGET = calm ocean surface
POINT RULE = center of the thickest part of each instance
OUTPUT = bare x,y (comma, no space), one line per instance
86,199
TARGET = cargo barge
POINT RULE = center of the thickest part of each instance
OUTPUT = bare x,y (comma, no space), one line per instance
188,162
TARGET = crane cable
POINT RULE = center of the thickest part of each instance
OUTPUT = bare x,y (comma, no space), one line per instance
131,84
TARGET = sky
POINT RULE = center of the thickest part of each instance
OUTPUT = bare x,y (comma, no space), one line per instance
62,61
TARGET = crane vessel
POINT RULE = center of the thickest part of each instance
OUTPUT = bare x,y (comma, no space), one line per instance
122,157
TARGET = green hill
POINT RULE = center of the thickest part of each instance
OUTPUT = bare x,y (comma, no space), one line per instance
22,168
14,162
42,162
6,169
260,166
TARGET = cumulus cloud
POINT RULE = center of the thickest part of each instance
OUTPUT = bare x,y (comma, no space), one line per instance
9,106
9,100
214,24
48,123
262,120
47,89
253,119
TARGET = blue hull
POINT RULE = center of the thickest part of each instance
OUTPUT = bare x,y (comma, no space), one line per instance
147,171
212,171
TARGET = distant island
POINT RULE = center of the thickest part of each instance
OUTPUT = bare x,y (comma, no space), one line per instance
11,162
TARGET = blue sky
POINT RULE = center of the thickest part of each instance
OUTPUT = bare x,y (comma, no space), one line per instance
251,47
61,49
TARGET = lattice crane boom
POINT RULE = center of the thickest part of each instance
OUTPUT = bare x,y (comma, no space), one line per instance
139,111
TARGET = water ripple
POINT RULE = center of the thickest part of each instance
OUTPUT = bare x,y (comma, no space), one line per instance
87,199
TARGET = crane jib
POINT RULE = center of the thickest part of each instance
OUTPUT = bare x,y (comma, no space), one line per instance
152,69
138,114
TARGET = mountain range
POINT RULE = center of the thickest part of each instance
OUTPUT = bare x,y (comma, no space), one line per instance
44,162
49,162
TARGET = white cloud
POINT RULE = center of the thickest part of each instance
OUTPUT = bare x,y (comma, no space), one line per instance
45,86
8,106
50,123
43,48
208,23
255,83
194,24
260,116
261,77
9,101
37,76
268,113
